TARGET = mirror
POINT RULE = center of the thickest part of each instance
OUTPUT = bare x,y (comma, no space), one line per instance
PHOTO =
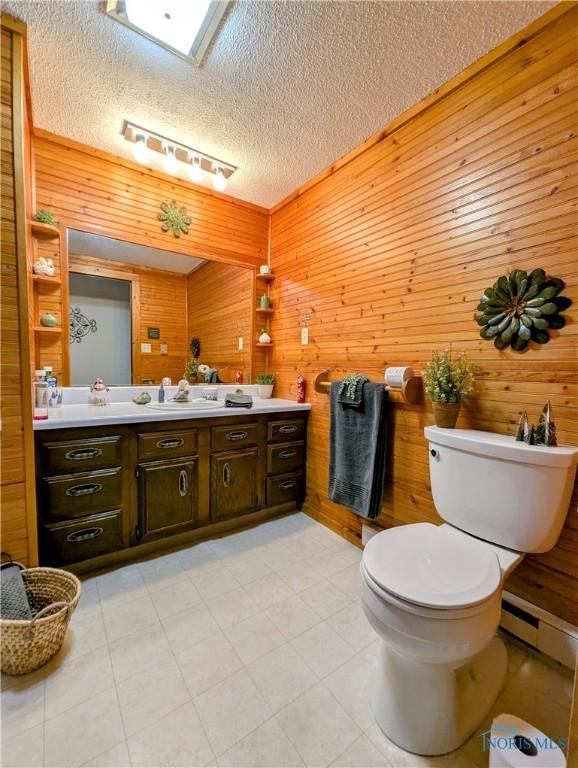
133,311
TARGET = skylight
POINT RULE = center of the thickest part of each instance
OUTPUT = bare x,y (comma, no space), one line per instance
185,27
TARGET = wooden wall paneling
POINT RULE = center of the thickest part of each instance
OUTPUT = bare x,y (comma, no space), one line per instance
219,303
390,249
18,508
158,299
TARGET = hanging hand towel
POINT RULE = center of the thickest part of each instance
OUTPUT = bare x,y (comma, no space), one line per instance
357,450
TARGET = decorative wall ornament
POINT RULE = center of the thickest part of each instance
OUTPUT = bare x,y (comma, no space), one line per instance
174,218
79,325
521,308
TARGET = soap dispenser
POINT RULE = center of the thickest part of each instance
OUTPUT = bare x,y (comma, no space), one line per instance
162,393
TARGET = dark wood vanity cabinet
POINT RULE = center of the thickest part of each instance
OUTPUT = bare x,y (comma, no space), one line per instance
105,493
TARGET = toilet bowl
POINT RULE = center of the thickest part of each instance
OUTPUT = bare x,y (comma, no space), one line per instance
433,592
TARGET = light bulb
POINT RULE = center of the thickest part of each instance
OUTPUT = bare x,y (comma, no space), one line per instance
140,150
170,162
219,180
196,172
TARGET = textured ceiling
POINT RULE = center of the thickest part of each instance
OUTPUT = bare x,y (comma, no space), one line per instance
286,89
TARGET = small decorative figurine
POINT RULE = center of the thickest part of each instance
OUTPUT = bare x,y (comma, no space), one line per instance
98,392
265,269
523,429
264,338
182,393
48,320
300,388
239,377
264,301
142,399
44,266
545,433
166,381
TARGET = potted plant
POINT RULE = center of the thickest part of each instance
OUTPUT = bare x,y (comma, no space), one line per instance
192,367
266,382
447,381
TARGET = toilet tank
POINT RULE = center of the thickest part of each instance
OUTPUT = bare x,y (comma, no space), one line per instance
500,490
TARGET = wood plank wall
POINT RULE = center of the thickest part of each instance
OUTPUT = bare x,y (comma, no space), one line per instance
17,485
161,303
93,191
220,309
389,251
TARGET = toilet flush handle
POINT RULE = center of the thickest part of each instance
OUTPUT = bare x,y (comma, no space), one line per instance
434,453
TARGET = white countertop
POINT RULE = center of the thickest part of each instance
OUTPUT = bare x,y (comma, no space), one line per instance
84,415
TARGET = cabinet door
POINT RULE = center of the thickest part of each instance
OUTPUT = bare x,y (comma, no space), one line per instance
168,497
233,483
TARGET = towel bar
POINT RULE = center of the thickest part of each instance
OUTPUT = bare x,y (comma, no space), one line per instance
410,393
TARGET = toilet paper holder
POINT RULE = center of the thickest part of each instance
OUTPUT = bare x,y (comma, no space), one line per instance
410,390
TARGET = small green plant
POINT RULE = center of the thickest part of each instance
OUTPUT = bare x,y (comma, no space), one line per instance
192,369
266,378
447,379
350,383
44,216
195,347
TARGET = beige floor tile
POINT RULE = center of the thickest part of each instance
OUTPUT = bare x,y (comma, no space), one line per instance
195,556
351,686
266,747
350,624
300,578
347,581
292,617
69,682
232,607
254,637
115,757
178,740
399,758
83,732
170,597
324,599
247,568
129,616
362,754
269,590
371,653
318,727
213,580
22,702
322,649
139,652
208,662
163,568
85,634
231,710
281,676
189,627
120,584
25,750
327,563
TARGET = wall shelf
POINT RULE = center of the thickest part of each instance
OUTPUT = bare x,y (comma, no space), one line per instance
265,310
45,280
267,278
46,329
264,344
44,231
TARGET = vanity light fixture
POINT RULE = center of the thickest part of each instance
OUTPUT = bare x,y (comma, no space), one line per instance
177,158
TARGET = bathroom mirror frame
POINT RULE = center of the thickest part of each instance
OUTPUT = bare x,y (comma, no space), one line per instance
64,254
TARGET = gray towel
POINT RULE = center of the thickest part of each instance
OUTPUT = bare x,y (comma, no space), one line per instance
357,450
13,596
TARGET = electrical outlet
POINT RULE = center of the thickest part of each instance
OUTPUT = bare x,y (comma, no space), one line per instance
240,343
146,349
304,336
164,349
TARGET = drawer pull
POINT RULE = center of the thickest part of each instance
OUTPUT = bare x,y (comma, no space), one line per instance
86,489
170,442
287,484
288,429
183,482
238,435
287,454
85,535
226,474
79,454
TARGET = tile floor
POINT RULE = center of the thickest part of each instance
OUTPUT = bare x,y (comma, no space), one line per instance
249,650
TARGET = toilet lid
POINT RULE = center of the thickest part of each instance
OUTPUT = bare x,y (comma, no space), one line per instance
434,566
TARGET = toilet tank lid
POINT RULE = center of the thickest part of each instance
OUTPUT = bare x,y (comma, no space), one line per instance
502,447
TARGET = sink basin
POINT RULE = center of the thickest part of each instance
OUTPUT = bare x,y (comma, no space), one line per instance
198,403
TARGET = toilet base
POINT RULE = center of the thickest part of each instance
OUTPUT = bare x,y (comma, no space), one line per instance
432,709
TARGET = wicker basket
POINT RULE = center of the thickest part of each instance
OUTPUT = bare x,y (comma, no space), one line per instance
27,645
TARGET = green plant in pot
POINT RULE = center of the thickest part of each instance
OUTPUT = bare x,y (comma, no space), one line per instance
266,382
447,381
192,367
45,216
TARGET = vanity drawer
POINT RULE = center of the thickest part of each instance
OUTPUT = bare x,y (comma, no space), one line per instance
282,488
67,456
161,445
70,542
229,438
288,429
80,494
285,457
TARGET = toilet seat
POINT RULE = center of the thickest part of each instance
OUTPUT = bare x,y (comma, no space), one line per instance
436,567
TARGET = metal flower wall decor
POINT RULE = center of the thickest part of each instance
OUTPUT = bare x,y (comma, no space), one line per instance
79,325
174,219
521,308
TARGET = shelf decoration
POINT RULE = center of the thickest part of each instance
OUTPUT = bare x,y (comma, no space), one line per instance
520,308
45,216
44,266
174,219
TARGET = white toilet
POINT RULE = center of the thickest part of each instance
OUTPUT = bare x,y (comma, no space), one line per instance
433,592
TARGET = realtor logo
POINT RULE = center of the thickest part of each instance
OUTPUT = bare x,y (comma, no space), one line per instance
503,737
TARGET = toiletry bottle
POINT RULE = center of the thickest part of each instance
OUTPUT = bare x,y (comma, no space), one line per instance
40,398
239,377
162,393
300,388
